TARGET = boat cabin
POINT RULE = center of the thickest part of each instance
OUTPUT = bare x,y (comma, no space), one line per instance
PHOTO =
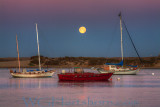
117,68
109,67
78,70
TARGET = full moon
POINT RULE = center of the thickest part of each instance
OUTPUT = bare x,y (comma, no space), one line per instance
82,29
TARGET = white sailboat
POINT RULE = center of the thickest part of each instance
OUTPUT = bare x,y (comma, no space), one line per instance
31,73
119,69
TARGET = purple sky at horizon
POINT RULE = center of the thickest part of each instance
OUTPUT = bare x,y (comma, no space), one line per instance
59,21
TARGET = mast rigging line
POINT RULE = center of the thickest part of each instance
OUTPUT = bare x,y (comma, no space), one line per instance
132,41
38,48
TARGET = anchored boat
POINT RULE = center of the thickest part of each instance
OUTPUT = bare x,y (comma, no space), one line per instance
39,73
32,74
119,68
80,75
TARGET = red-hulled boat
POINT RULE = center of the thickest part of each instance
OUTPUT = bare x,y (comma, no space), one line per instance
80,75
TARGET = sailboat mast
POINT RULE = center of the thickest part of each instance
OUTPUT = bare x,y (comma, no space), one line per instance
38,48
121,35
18,53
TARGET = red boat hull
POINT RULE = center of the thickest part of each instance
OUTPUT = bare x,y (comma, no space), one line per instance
84,76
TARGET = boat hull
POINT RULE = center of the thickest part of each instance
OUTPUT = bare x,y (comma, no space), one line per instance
84,77
127,72
32,75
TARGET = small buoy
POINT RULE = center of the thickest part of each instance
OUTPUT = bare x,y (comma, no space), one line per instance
152,73
118,79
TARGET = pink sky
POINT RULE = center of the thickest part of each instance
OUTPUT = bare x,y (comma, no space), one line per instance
77,5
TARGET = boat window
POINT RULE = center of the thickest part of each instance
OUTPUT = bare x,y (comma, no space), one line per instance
78,70
112,66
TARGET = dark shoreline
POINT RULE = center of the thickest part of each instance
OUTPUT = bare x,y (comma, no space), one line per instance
84,62
71,67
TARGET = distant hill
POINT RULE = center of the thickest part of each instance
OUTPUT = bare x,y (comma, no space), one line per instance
12,62
77,61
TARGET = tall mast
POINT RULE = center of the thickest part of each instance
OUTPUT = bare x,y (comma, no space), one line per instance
121,35
18,53
38,48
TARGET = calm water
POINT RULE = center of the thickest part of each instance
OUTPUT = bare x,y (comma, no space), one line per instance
142,90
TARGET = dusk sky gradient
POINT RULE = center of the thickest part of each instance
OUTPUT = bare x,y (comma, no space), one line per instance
59,22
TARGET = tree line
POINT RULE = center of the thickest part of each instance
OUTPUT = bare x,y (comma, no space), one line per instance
92,61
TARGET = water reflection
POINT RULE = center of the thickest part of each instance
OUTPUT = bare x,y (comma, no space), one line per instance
85,84
51,82
140,80
143,88
31,83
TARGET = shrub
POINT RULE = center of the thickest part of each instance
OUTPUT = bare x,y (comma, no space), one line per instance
52,62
